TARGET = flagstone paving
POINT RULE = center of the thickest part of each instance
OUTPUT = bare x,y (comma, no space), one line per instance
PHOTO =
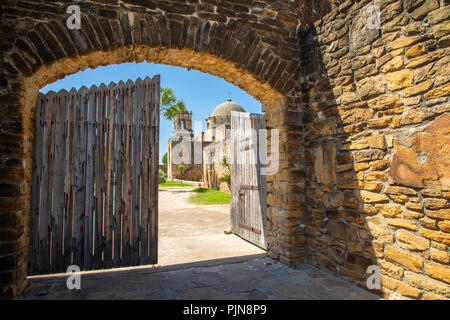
259,278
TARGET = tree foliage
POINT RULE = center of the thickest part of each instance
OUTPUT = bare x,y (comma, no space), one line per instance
170,104
162,176
164,160
226,177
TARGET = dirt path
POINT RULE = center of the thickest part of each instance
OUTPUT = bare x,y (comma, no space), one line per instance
189,233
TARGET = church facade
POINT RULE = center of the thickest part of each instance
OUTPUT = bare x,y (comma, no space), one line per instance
204,157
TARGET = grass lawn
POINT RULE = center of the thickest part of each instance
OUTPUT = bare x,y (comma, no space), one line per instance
174,184
209,196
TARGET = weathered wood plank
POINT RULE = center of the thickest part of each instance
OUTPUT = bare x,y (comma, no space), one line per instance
58,182
46,186
51,174
109,177
140,171
80,176
154,169
99,176
134,254
68,213
118,193
90,180
146,149
137,233
34,262
126,222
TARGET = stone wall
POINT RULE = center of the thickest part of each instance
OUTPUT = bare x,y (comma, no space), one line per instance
211,176
182,150
190,172
213,165
377,140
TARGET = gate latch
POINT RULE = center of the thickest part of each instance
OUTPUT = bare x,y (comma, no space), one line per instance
247,187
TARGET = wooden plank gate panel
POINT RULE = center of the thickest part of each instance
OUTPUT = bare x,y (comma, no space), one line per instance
248,186
95,178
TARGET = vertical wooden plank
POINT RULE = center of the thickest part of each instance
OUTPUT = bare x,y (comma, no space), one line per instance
99,172
140,172
135,176
134,148
127,183
34,262
263,190
70,151
233,168
245,124
251,176
146,147
241,179
90,180
76,241
109,187
58,182
154,169
118,158
140,84
80,176
239,176
256,210
46,186
51,174
245,182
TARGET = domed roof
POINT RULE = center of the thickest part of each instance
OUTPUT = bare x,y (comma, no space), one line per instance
224,109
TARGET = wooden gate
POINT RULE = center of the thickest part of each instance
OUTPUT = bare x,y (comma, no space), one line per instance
95,179
248,186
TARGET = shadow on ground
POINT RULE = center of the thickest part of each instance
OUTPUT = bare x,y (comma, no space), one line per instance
251,278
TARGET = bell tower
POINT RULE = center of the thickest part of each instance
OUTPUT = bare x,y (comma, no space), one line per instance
183,121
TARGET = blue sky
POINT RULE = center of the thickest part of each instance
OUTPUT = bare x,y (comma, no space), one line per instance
200,91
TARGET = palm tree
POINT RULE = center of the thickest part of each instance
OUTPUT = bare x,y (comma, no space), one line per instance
170,104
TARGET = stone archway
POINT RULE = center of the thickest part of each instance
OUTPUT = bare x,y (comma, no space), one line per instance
249,46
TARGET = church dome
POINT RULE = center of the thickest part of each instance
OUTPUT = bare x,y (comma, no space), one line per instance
224,110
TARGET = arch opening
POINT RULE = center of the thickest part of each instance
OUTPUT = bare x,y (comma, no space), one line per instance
196,61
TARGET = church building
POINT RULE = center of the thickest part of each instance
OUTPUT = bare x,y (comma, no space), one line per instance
200,158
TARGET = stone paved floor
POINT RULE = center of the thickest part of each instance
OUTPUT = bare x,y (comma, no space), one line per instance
257,279
189,232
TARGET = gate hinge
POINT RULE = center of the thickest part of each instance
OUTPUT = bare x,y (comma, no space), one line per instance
250,228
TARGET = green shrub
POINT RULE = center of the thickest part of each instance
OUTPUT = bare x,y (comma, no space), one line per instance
174,184
226,177
164,160
162,176
204,196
